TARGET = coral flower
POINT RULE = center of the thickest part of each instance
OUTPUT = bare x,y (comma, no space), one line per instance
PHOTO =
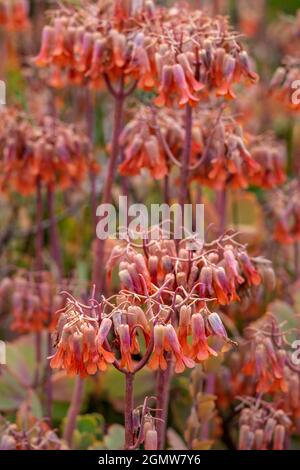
200,350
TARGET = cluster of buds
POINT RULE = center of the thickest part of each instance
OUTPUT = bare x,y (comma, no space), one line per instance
179,51
39,436
284,86
262,427
221,270
285,212
266,358
14,14
48,151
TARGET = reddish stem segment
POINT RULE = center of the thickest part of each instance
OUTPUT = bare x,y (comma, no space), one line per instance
129,377
163,396
98,271
183,196
54,237
221,208
39,267
74,410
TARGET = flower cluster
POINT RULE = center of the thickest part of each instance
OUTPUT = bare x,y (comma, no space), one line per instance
14,15
182,59
219,270
33,300
284,87
285,212
48,151
262,427
80,341
271,158
266,357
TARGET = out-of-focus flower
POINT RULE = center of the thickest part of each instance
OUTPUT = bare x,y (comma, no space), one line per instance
48,151
14,15
262,426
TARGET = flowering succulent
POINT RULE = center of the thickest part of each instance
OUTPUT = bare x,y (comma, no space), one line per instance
82,45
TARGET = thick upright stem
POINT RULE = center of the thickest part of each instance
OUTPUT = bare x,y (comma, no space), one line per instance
163,395
39,267
54,237
186,157
90,123
74,410
129,410
98,270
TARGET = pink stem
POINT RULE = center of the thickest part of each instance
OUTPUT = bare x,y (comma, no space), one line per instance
90,108
163,396
39,267
48,387
183,196
54,237
129,377
98,269
221,209
74,410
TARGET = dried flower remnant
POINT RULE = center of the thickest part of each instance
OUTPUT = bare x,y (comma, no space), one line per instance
37,436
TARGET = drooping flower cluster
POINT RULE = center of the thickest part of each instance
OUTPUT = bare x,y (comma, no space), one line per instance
48,151
266,357
149,45
285,212
284,86
220,270
33,299
14,14
80,341
262,426
271,158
